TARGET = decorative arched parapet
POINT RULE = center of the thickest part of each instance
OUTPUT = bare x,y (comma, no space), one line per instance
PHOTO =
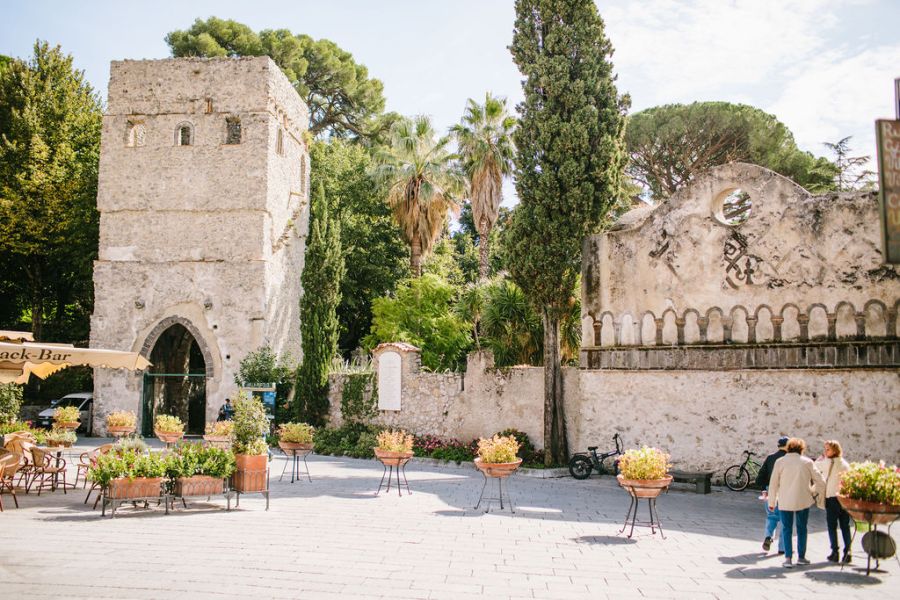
740,325
159,328
818,323
648,329
627,336
844,322
667,328
607,330
892,320
692,331
716,326
788,326
875,320
763,327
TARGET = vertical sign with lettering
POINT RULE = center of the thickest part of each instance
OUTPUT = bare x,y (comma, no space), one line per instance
888,133
389,380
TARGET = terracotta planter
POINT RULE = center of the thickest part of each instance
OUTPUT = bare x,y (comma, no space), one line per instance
168,438
497,469
60,444
392,459
645,488
870,512
139,487
218,441
199,485
289,447
68,425
251,474
119,430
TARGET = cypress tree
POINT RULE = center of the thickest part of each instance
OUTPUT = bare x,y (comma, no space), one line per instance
321,279
568,168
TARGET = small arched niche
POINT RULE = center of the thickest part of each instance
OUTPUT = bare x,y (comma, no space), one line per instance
732,207
715,328
184,134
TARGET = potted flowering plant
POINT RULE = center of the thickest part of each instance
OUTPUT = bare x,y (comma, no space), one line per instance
393,447
60,438
644,473
66,417
168,428
250,448
497,456
220,434
128,475
870,492
295,436
198,470
120,423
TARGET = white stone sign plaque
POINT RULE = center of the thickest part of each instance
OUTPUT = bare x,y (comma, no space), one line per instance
389,367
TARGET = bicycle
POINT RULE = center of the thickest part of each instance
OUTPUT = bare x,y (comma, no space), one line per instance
581,464
737,477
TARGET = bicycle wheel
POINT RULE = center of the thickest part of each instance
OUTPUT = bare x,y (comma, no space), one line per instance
737,477
580,467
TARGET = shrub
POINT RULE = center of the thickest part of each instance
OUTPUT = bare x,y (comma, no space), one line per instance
220,429
10,402
168,424
455,451
131,443
60,437
498,449
872,482
14,426
250,425
123,418
646,463
353,439
526,448
196,459
127,464
296,433
364,447
66,414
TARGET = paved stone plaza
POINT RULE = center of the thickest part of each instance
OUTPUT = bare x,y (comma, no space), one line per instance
333,538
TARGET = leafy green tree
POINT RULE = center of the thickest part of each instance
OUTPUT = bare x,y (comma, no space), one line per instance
421,182
10,402
49,150
569,168
669,146
263,366
343,101
484,137
322,274
375,255
422,314
851,172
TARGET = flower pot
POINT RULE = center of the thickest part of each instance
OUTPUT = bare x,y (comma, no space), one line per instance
59,444
68,425
252,474
139,487
645,488
870,512
392,459
120,430
168,438
199,485
497,469
218,441
290,447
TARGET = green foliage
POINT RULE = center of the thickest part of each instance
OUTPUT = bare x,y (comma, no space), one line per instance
568,167
322,274
58,437
872,482
49,149
131,443
354,439
421,181
66,414
191,459
646,463
168,424
670,145
342,99
498,449
850,172
296,433
114,465
250,425
421,315
13,426
468,235
355,406
263,366
526,448
375,255
10,402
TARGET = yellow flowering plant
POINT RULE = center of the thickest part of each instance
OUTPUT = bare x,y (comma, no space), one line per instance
646,463
66,414
220,429
168,424
296,433
394,441
122,418
498,449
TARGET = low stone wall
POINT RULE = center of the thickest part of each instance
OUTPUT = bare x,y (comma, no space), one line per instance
704,419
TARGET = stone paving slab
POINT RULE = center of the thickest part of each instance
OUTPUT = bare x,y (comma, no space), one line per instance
333,538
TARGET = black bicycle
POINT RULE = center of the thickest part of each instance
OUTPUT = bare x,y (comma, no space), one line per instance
581,465
738,477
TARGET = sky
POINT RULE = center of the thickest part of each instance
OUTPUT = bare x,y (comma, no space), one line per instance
823,67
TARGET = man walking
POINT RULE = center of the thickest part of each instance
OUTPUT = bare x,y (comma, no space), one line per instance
226,411
773,517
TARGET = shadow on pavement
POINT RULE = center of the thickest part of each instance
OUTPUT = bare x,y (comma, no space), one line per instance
606,540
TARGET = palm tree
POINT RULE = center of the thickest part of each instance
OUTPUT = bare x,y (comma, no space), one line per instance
422,183
484,136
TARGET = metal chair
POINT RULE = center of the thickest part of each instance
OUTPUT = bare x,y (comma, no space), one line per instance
45,472
10,463
88,460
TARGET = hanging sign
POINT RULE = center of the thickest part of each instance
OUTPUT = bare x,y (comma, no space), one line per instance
888,134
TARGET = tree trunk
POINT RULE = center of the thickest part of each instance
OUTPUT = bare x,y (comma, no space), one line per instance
484,237
556,443
37,302
415,258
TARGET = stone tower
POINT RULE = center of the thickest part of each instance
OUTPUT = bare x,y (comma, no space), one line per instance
203,200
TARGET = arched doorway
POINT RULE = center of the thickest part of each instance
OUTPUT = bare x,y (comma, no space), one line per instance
176,383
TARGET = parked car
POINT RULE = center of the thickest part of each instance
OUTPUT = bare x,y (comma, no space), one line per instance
85,403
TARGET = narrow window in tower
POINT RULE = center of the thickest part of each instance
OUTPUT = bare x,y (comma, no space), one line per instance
233,130
184,135
279,142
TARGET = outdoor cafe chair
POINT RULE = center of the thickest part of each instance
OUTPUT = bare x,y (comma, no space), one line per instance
88,460
9,465
46,470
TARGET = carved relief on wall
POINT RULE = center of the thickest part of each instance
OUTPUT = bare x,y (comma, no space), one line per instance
741,266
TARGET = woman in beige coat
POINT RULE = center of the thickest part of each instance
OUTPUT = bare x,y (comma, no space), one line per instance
832,464
794,481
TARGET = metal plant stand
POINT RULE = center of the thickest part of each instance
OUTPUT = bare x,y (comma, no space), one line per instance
500,494
631,517
264,492
389,471
295,456
877,545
